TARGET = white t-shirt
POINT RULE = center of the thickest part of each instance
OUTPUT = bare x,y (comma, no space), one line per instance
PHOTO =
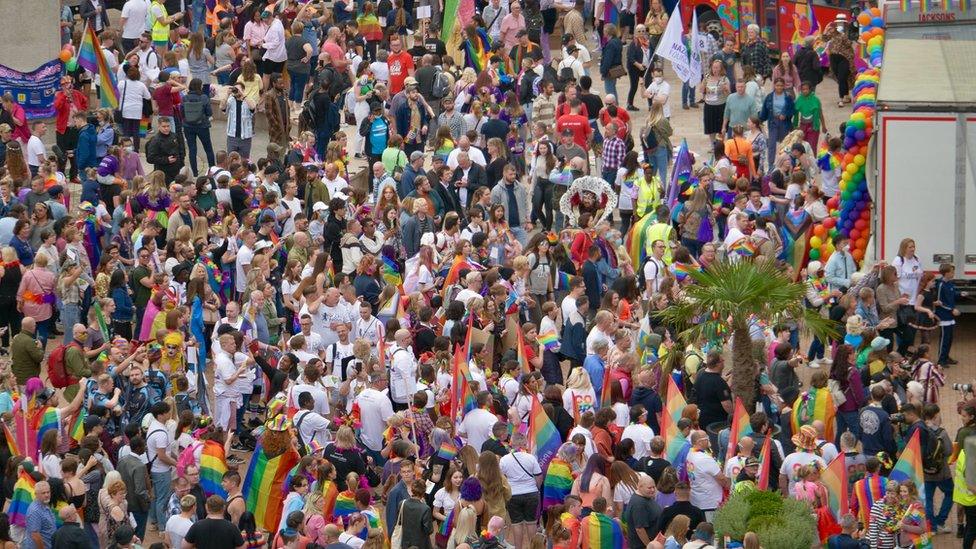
131,94
318,395
134,12
794,461
477,425
654,274
224,368
403,375
371,330
575,64
445,501
706,492
335,185
157,439
465,295
375,409
567,307
590,448
641,434
623,414
336,354
244,257
622,493
520,469
351,540
177,525
474,154
596,335
577,401
36,151
51,464
312,426
323,319
661,88
293,206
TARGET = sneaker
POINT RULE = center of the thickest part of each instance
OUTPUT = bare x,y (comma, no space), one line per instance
685,107
951,360
235,461
236,445
632,108
944,529
815,364
827,361
694,105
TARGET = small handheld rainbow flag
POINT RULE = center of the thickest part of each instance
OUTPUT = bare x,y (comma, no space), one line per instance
390,270
544,439
462,397
23,497
765,464
909,465
550,340
740,427
448,525
744,247
562,280
448,451
78,429
11,442
834,478
675,405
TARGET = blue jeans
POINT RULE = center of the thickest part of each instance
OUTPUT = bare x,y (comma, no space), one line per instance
610,86
141,519
162,490
660,159
322,138
43,331
777,132
816,349
946,486
521,235
198,11
847,421
70,315
687,95
297,90
203,134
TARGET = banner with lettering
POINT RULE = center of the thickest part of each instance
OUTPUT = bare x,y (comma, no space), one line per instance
33,90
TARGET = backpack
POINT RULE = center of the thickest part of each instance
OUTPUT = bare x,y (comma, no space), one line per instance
56,370
187,458
566,74
194,109
935,457
641,277
442,84
309,114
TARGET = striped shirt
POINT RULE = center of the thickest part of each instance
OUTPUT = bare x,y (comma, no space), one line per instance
240,119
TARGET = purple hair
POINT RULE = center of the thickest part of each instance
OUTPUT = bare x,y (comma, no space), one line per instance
471,489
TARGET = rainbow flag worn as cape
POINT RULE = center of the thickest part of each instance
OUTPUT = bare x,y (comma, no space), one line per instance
909,465
834,478
44,421
23,497
213,465
557,484
345,504
262,486
550,340
369,27
477,51
92,58
812,405
330,492
544,440
765,464
740,427
453,273
599,531
867,491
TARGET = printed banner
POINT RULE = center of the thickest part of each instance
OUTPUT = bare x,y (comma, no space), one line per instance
33,90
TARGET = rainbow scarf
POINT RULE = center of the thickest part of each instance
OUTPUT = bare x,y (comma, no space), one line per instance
345,504
909,465
867,491
550,340
23,497
262,486
477,51
557,484
44,421
600,532
330,493
213,465
812,405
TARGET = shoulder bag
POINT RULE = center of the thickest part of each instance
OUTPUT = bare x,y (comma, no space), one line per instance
396,540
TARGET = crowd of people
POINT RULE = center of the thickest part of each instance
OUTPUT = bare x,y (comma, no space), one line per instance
390,339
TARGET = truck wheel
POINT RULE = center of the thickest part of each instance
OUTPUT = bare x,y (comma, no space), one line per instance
712,23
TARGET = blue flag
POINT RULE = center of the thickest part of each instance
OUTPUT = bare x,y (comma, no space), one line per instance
680,175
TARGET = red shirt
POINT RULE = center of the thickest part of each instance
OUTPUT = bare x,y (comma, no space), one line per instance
579,125
622,119
400,66
563,109
63,109
22,132
166,99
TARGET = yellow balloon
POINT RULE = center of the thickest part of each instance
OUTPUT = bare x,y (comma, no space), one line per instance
815,242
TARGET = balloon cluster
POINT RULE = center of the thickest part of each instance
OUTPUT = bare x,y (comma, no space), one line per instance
850,210
67,56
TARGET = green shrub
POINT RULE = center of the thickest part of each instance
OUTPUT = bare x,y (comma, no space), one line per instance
731,518
780,523
762,503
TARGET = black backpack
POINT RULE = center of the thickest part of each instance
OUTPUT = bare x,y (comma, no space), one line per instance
934,458
309,114
195,109
566,75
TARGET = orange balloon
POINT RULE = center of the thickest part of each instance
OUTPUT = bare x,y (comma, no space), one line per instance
824,251
861,243
876,12
64,56
819,230
858,254
864,19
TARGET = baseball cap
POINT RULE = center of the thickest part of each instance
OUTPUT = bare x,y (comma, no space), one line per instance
320,207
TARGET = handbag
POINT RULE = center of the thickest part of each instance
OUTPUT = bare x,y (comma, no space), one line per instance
396,539
617,71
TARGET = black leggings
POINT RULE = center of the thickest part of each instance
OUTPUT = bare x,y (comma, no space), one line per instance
841,68
969,536
634,86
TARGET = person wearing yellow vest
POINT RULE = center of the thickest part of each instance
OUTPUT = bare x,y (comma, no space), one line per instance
159,21
661,230
649,192
964,494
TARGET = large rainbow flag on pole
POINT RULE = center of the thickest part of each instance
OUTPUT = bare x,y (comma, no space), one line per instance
909,465
462,398
457,14
262,486
544,439
92,58
765,464
740,427
834,478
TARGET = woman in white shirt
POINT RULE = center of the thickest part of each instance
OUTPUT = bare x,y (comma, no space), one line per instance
448,496
908,267
132,93
579,395
623,482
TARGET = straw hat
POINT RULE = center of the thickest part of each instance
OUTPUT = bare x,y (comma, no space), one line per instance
806,439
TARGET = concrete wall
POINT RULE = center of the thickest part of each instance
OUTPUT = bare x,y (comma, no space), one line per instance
30,34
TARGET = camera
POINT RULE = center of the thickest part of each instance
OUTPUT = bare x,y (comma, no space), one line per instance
963,387
897,418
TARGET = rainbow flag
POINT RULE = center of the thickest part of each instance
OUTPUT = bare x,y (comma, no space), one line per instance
909,465
675,405
92,58
867,491
678,448
345,504
78,429
262,486
834,478
562,280
511,302
765,464
330,492
11,442
680,174
213,465
681,271
924,6
544,440
605,399
45,421
557,484
462,397
523,358
964,5
599,531
477,52
550,340
454,273
448,525
744,247
740,427
905,5
390,270
448,451
369,27
23,497
811,405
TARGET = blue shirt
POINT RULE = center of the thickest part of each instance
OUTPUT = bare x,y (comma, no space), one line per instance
40,519
378,132
595,366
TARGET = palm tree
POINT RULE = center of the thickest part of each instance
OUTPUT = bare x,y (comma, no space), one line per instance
730,297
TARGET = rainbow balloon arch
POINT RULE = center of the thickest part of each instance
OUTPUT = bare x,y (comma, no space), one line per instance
850,209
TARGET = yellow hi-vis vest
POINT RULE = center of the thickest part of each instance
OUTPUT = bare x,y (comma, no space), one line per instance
960,491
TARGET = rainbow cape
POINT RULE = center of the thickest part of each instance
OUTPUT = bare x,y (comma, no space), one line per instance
599,531
213,465
867,491
909,465
262,486
740,427
834,478
44,421
23,497
550,340
812,405
477,51
544,440
92,58
330,493
557,484
369,27
345,504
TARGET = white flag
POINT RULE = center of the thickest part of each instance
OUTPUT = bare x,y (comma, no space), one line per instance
672,46
695,46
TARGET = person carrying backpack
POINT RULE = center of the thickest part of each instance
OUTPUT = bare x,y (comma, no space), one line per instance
67,364
197,112
935,466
